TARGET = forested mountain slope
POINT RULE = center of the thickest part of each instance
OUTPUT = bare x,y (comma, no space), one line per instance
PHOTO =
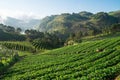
84,21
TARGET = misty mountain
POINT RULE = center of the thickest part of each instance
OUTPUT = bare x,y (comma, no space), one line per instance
23,24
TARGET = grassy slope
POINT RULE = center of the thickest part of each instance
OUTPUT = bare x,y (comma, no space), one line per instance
100,37
80,62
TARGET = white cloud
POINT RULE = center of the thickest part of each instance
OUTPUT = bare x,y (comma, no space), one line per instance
18,14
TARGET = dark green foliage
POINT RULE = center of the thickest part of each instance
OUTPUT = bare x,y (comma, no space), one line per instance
18,30
11,37
8,33
115,28
49,41
33,34
9,29
43,40
116,14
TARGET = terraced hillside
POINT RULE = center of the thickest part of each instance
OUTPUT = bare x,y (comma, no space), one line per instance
94,60
21,46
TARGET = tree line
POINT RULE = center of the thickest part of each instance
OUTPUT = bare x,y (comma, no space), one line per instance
50,40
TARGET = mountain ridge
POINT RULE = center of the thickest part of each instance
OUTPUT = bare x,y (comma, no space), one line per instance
82,21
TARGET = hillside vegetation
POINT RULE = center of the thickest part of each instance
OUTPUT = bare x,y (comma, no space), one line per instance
85,22
91,60
9,33
77,46
65,29
7,58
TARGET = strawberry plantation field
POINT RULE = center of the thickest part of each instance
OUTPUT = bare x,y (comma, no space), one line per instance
92,60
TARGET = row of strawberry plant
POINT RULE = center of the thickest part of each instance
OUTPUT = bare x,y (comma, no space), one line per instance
17,46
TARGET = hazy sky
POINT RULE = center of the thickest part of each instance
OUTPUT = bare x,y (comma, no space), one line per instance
42,8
